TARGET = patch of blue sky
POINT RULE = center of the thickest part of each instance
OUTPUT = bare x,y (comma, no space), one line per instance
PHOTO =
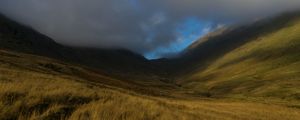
188,32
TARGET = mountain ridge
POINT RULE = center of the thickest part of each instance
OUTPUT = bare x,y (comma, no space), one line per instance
209,48
21,38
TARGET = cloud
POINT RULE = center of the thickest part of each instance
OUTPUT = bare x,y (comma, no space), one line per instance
142,26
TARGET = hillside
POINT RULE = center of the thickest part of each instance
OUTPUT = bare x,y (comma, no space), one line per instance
33,87
263,63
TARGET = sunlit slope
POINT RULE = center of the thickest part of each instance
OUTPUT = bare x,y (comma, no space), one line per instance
266,66
33,87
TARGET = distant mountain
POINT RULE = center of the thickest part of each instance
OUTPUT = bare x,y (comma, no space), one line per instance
21,38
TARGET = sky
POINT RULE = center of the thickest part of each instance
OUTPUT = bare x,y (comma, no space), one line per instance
154,28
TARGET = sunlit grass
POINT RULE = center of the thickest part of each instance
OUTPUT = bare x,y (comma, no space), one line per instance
31,94
268,66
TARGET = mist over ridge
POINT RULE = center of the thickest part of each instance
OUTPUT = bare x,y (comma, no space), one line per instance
156,27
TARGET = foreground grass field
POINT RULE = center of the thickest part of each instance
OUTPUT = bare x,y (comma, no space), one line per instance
39,88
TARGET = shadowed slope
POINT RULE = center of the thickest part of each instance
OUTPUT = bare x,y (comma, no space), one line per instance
121,63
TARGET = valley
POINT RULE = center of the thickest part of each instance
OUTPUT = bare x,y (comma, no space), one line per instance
254,75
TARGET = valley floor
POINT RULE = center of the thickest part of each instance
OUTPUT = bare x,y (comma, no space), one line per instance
33,88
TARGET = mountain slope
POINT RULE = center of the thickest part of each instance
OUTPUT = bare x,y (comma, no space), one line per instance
121,63
218,43
267,65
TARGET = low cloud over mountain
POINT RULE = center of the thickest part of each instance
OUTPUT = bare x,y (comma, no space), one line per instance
143,26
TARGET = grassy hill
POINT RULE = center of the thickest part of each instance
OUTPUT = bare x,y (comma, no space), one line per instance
267,65
33,87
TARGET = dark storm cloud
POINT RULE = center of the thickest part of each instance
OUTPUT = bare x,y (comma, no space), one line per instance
138,25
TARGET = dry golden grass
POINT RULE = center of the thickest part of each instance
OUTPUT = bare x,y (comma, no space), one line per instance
268,66
33,94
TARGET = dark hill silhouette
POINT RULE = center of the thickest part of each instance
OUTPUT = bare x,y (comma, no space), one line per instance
21,38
